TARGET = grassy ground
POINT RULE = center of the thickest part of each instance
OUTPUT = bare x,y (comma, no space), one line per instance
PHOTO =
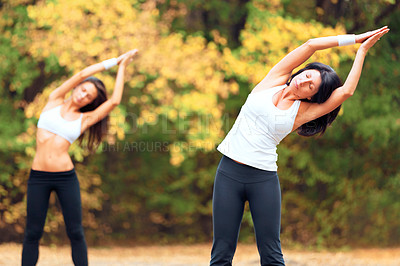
198,255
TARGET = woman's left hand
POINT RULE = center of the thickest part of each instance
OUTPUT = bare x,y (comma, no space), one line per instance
360,38
368,43
127,57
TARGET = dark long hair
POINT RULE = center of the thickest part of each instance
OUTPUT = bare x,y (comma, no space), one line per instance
330,81
99,130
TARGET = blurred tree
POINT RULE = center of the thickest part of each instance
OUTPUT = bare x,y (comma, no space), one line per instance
208,17
355,15
17,72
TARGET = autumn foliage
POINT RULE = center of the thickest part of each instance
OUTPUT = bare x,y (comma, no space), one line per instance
152,177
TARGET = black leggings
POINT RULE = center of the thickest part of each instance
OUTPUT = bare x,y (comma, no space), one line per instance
234,185
66,185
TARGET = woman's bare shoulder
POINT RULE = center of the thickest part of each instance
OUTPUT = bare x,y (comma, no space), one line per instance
52,104
266,85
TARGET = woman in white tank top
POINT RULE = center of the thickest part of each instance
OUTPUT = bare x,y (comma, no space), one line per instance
60,124
307,102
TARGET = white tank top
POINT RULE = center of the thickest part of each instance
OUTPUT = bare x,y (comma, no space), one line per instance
51,120
258,129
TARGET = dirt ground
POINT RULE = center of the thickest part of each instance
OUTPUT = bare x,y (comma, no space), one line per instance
198,255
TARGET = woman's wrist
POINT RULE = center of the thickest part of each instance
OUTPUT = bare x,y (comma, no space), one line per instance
347,39
362,51
109,63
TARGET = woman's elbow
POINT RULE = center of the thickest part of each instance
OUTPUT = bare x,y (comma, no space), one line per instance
83,74
347,93
310,45
115,102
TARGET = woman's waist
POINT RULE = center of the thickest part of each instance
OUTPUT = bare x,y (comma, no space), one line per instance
46,153
45,176
52,161
244,172
249,148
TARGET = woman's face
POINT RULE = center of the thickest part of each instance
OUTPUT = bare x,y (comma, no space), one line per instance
306,84
84,94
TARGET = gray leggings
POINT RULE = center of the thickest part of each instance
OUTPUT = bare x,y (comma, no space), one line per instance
234,185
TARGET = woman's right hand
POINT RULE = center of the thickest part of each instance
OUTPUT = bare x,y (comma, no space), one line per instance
372,39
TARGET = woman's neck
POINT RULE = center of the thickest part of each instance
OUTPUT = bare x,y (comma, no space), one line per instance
69,106
287,94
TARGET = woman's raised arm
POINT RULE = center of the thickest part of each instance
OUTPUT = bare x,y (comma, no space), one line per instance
282,71
339,95
92,117
71,83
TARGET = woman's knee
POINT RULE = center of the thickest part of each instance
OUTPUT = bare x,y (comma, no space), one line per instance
76,233
33,235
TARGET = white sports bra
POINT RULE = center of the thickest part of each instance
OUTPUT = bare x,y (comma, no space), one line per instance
51,120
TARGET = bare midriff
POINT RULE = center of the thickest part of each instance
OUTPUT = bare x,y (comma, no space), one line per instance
51,153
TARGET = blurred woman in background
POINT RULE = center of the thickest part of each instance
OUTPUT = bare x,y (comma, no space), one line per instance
60,124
